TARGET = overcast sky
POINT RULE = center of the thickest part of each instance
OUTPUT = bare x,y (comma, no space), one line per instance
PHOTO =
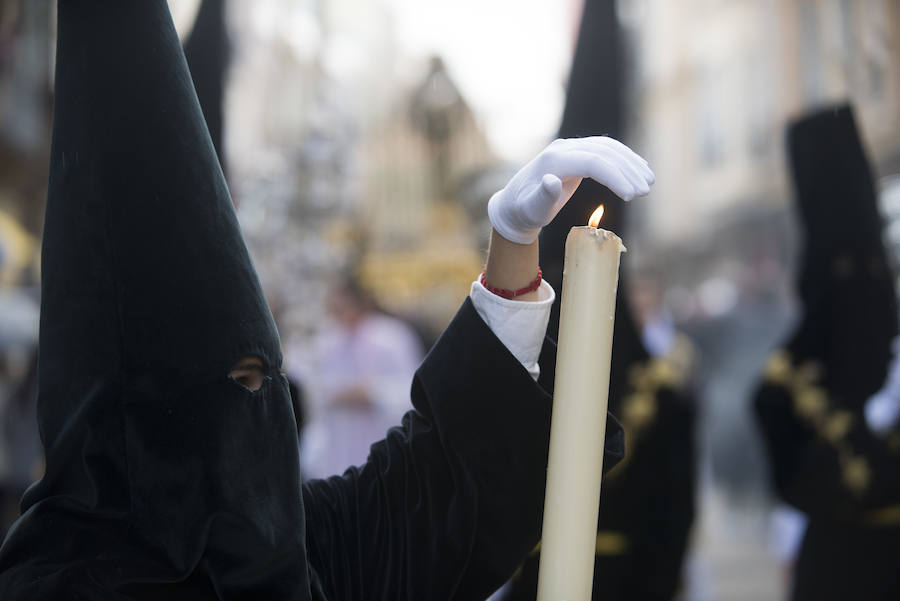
510,58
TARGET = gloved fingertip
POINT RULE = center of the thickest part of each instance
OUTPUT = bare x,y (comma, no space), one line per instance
551,184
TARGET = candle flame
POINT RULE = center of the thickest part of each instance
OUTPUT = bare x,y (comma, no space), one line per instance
594,221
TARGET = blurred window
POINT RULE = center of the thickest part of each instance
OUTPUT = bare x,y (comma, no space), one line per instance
876,48
847,23
707,120
813,86
760,93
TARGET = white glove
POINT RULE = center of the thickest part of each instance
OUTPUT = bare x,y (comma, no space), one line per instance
535,194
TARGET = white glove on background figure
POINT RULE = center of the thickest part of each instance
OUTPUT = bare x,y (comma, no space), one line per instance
882,410
535,194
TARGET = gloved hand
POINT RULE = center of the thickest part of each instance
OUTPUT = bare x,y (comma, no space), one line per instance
535,194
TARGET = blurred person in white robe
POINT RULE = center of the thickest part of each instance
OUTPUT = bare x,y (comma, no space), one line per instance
362,366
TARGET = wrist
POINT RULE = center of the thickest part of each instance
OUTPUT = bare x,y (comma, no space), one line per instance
512,266
514,294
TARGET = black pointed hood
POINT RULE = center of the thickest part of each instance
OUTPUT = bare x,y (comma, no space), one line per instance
594,108
208,53
159,467
594,101
845,284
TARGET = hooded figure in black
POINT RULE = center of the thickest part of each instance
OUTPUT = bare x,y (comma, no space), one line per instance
647,501
823,457
166,478
159,467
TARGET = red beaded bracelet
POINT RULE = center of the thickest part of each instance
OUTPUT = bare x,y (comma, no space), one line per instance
511,294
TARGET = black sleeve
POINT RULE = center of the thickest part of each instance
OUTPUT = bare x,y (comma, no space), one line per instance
451,501
829,465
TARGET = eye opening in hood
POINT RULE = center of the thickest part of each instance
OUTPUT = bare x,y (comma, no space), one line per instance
250,372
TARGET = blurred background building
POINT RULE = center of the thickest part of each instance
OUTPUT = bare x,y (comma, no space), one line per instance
368,136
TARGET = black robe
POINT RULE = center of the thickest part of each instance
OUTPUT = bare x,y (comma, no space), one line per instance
824,459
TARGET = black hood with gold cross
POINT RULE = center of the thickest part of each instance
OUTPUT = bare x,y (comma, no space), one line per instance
848,302
164,477
823,457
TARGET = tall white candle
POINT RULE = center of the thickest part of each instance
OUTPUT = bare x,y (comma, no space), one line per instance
578,428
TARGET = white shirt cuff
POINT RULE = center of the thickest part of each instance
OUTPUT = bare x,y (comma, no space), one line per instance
520,325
